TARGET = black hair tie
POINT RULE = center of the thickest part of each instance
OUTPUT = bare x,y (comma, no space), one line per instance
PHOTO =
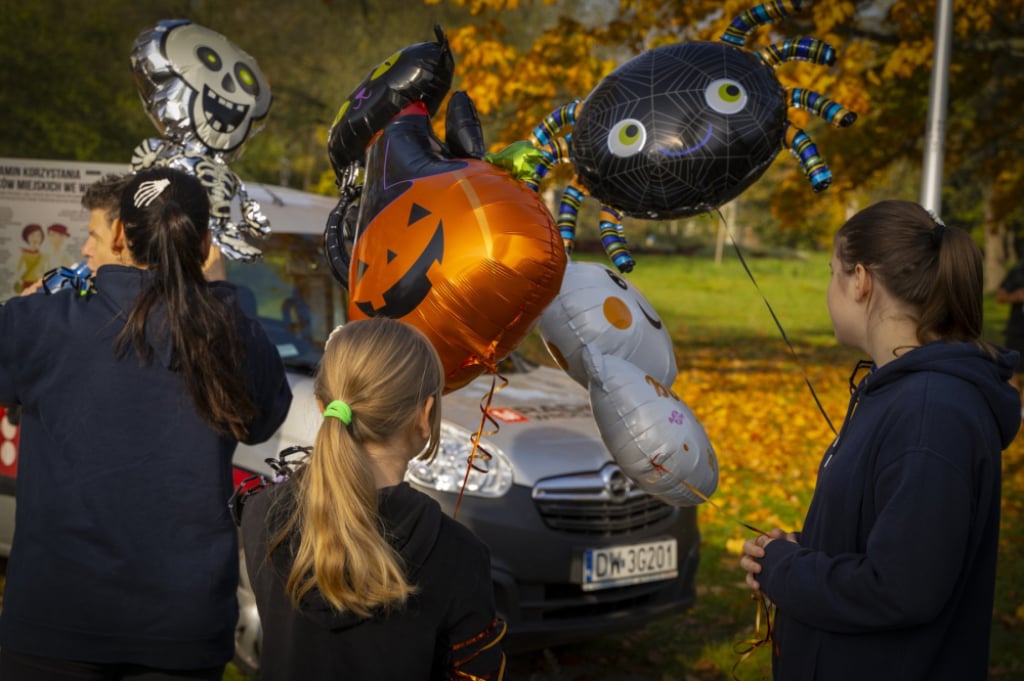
938,228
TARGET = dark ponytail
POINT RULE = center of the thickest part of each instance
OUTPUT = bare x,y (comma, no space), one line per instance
166,217
936,269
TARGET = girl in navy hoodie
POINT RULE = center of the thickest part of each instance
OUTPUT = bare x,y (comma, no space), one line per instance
893,574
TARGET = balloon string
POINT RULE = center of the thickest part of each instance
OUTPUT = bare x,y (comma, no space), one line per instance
703,497
478,450
764,607
778,324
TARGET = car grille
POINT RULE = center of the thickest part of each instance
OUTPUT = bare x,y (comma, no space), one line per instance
606,503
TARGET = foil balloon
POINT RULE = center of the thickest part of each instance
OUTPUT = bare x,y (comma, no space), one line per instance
454,246
598,308
417,73
206,97
682,129
652,434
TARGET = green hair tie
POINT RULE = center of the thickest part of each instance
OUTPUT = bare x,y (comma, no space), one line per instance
340,410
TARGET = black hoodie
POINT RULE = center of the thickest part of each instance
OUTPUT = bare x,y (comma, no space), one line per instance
894,572
446,628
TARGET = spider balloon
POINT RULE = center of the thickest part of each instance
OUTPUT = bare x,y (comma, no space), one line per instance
682,129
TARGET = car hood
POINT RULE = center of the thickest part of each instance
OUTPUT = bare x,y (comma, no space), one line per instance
542,421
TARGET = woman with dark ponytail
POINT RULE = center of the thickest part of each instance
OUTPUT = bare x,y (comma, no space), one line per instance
893,574
125,559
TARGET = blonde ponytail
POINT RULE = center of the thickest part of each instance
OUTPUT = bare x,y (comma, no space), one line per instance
341,551
385,371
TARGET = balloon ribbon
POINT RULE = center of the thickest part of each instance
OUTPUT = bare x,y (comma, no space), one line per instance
765,608
479,451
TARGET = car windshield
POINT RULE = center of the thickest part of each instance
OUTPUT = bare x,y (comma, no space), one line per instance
293,294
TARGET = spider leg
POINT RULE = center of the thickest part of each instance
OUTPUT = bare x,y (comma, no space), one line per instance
798,49
806,151
764,13
568,214
547,133
613,238
821,106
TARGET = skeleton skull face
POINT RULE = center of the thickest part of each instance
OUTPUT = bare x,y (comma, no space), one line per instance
197,84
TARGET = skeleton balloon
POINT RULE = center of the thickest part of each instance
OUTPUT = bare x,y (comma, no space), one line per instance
207,98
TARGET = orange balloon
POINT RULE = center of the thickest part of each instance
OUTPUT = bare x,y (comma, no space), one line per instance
466,253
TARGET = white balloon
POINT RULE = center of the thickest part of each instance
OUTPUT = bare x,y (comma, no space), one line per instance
652,434
599,307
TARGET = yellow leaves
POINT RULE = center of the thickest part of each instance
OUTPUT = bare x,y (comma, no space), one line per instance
906,59
478,7
734,546
829,14
768,435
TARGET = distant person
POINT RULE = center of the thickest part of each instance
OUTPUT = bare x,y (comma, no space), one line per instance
296,315
124,563
30,265
1011,292
356,574
893,574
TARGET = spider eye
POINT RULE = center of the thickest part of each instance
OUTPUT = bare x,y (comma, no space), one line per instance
627,138
726,96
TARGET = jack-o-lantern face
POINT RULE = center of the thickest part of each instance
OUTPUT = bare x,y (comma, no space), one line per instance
398,276
455,247
598,308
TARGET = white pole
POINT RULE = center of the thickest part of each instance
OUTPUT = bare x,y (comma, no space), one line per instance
938,96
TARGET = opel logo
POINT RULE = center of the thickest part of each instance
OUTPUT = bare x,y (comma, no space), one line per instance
617,484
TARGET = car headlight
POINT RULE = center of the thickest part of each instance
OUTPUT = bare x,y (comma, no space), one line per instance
448,469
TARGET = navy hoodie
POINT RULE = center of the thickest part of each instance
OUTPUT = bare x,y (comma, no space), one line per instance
894,571
124,550
449,625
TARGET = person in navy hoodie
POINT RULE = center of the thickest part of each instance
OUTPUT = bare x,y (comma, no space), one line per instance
356,574
124,562
893,574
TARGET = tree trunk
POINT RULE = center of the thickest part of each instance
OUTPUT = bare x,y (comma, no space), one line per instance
996,251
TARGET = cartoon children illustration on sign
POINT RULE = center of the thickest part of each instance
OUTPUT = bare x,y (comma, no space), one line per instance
31,263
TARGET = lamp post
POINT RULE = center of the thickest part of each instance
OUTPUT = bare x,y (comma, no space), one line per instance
938,96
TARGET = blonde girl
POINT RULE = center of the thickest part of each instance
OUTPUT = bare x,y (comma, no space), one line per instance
354,571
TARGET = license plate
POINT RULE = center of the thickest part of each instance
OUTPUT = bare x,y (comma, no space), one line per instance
633,564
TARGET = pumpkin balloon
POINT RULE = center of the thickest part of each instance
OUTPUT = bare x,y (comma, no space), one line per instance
652,434
454,246
600,308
